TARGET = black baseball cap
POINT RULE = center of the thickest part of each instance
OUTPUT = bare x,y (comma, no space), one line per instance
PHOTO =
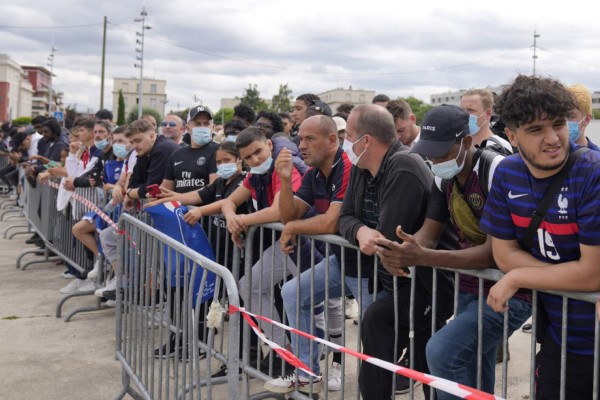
440,129
197,110
318,107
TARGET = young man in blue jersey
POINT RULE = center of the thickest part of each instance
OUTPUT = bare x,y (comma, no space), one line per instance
565,250
463,179
323,189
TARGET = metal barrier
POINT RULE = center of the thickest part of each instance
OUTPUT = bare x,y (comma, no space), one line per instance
146,290
251,364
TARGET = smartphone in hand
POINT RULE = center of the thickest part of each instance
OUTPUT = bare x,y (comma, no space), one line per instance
153,190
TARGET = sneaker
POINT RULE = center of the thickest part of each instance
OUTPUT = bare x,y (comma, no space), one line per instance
351,308
111,303
68,275
74,285
93,274
277,370
111,285
87,286
287,384
527,328
167,350
334,381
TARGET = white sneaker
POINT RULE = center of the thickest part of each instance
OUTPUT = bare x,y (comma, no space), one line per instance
287,384
67,275
111,285
93,274
110,303
86,286
334,381
74,285
351,308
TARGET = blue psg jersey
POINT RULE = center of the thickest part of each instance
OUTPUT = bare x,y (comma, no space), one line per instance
168,218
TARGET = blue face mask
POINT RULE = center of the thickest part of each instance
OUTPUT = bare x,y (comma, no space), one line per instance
120,150
101,144
448,169
574,130
262,168
201,135
473,127
227,170
230,138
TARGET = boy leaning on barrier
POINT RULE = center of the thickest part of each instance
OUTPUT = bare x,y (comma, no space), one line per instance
388,187
262,186
564,250
322,191
463,177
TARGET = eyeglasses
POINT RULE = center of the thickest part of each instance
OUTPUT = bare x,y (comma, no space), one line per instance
263,125
172,124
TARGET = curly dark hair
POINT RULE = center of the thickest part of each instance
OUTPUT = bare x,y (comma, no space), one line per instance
531,98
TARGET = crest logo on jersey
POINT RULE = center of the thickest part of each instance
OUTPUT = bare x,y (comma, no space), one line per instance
563,202
201,161
476,201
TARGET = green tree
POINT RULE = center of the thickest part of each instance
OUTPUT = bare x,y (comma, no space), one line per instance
252,98
419,108
133,114
223,116
121,109
21,121
596,114
281,102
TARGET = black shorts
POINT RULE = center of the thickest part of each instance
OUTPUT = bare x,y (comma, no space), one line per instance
579,376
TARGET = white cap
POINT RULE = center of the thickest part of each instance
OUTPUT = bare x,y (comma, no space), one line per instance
340,123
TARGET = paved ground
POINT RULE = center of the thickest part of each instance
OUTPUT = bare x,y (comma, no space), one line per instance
43,357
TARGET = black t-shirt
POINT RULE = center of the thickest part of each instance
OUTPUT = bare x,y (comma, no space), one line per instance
190,168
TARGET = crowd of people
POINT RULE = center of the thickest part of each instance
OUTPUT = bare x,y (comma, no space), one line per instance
447,192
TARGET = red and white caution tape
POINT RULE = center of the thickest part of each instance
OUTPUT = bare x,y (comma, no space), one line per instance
456,389
93,207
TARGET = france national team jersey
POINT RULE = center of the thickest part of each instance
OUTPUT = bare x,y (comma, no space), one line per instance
570,220
168,219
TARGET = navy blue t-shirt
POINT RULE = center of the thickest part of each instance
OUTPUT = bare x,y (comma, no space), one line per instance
570,220
319,191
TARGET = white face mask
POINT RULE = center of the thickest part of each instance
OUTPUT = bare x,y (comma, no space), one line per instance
348,148
449,169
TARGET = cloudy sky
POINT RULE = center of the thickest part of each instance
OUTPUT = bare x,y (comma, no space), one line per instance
214,49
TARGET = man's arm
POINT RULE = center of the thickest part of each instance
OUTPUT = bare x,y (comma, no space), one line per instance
290,208
168,184
419,250
269,214
581,276
509,255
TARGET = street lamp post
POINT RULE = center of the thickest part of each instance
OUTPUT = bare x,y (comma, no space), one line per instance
140,57
51,65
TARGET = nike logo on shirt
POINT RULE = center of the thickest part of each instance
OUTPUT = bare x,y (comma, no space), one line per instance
515,196
177,163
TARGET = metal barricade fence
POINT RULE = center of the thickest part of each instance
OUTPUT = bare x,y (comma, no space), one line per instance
269,279
145,257
4,162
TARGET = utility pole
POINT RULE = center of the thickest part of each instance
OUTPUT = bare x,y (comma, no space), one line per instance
103,65
140,57
51,65
535,36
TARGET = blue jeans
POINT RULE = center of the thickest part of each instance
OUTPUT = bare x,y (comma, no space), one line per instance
452,352
288,293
